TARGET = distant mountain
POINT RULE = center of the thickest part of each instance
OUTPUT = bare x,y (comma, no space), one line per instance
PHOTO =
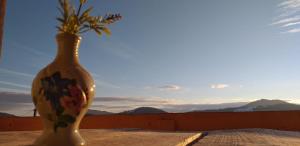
144,110
265,102
261,105
6,115
182,108
97,112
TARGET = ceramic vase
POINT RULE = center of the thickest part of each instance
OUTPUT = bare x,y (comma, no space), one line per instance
62,93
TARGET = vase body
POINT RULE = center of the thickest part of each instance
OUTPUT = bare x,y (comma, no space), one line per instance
62,93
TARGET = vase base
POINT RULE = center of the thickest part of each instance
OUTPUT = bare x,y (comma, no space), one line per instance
60,139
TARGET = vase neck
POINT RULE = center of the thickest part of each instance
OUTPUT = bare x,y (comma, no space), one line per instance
67,52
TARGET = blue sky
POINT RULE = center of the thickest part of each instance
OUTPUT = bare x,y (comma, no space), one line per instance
196,51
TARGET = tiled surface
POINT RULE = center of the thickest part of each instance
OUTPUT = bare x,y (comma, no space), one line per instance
96,137
250,137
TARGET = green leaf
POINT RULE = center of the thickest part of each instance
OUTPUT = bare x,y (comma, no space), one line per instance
59,110
66,118
61,3
59,29
60,19
60,124
61,11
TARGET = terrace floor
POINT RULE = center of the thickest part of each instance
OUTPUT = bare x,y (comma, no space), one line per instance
97,137
132,137
250,137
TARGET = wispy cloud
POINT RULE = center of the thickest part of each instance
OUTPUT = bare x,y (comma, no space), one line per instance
291,24
293,30
289,4
170,88
17,102
95,75
21,104
31,50
119,49
289,17
219,86
286,21
39,55
102,83
148,100
15,97
15,84
6,71
13,90
119,104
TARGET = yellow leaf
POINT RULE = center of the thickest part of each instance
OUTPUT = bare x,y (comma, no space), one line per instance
106,30
82,1
98,32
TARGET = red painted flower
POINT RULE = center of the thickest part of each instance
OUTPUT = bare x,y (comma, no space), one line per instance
75,101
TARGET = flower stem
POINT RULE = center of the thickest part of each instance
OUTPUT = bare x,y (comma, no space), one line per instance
78,12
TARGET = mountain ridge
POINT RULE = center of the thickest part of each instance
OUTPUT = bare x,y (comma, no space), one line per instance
261,105
144,110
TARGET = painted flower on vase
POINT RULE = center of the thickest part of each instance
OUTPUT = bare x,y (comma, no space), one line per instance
76,101
53,88
65,98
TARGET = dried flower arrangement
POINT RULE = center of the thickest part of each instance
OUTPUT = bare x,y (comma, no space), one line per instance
74,22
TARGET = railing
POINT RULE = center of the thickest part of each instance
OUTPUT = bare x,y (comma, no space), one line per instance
200,121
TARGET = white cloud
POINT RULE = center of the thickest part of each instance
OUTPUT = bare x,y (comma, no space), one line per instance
120,49
15,84
287,4
286,21
6,71
293,30
291,24
170,88
21,104
142,100
289,18
219,86
18,103
31,50
4,89
102,83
